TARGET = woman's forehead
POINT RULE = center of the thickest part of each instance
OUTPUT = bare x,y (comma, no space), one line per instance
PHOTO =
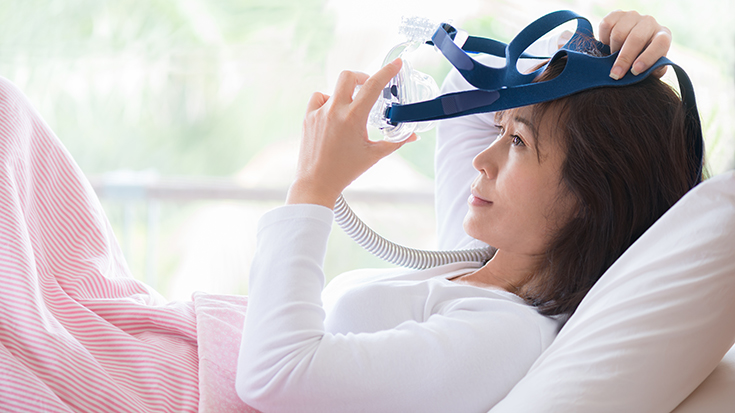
525,115
544,119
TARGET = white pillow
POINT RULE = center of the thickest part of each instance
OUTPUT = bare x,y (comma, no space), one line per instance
715,393
654,326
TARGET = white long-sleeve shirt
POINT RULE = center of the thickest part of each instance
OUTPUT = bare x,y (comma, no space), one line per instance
383,340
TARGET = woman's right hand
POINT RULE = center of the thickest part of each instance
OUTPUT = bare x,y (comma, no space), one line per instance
335,148
640,39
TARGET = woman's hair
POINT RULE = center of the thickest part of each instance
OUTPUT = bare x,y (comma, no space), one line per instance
627,162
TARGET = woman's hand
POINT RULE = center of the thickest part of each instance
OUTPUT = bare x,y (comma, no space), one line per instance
335,148
640,39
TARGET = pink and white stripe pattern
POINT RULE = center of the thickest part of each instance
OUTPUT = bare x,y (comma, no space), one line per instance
77,332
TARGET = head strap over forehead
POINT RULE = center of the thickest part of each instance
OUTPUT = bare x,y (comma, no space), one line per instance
588,66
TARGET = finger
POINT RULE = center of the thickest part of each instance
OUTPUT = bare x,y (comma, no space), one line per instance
657,48
346,84
383,148
413,138
660,72
639,39
362,78
619,29
636,41
316,101
606,25
374,85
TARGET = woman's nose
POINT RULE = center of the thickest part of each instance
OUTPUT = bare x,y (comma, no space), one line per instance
486,162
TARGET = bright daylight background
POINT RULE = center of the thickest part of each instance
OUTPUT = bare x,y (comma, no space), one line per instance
169,106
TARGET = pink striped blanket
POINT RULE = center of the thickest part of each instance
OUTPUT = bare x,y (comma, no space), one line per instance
77,332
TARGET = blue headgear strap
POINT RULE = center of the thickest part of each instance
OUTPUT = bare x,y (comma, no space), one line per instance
506,88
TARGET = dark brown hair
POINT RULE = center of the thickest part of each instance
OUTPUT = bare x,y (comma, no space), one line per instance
627,162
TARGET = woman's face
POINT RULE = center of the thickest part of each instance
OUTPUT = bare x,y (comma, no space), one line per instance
518,201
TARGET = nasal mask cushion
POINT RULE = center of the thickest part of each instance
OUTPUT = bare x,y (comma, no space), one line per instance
410,102
408,86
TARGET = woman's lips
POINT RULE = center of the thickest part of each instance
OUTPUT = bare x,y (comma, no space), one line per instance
475,200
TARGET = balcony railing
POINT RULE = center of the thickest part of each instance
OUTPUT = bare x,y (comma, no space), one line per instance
130,191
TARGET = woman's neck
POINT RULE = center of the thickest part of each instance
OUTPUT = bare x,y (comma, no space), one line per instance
505,270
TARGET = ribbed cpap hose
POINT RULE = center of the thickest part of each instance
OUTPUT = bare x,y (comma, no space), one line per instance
398,254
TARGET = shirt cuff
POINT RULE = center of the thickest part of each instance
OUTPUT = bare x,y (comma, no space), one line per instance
296,212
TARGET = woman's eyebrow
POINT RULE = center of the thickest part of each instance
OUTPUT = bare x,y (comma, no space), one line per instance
528,124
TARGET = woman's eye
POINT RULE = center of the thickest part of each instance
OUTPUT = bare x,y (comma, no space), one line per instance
501,131
517,141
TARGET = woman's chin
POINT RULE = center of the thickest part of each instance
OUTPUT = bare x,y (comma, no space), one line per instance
472,226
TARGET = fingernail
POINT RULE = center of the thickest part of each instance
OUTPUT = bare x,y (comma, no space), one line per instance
616,73
637,69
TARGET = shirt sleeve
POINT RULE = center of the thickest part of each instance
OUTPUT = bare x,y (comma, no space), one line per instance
460,360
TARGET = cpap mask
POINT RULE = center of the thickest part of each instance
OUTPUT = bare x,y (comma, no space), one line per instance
410,102
408,86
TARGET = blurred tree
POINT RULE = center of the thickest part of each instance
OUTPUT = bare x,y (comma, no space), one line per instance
182,86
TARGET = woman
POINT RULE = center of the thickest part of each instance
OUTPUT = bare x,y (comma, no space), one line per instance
567,183
78,333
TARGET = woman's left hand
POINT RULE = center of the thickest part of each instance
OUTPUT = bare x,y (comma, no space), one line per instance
335,148
640,39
